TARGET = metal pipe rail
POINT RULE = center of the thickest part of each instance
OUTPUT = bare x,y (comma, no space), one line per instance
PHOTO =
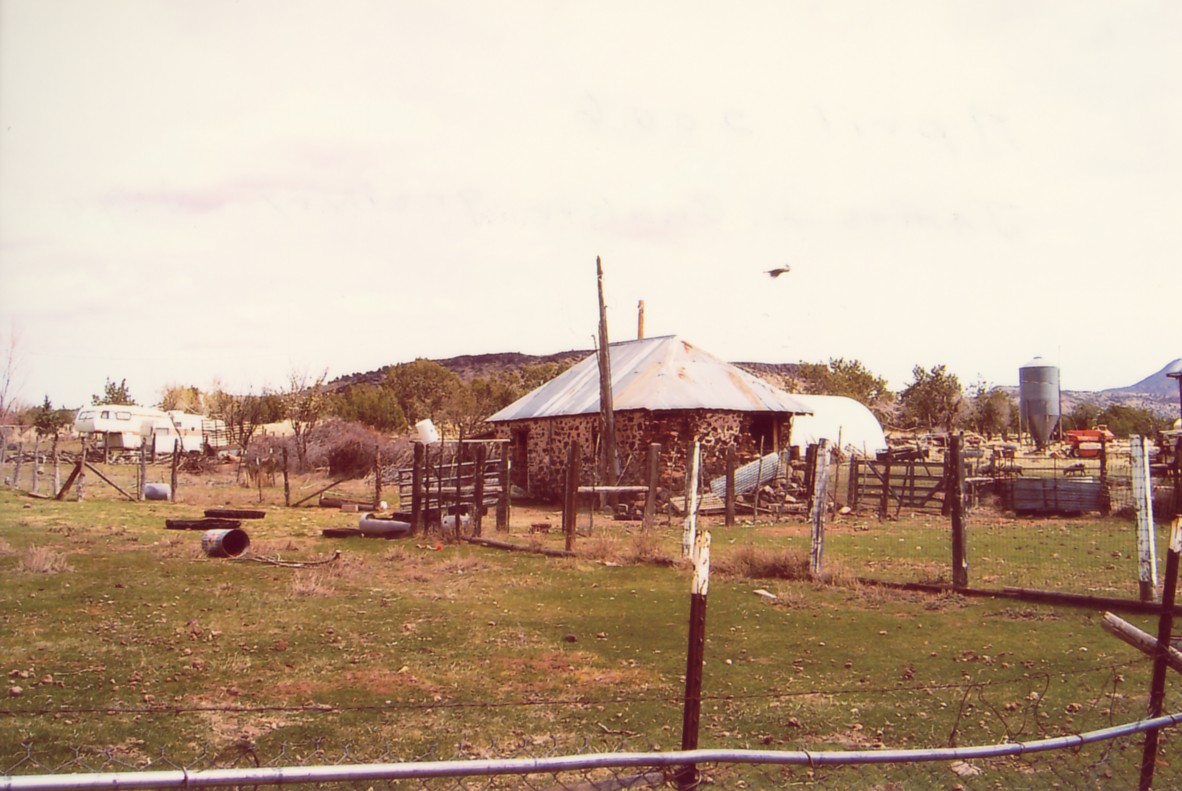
210,778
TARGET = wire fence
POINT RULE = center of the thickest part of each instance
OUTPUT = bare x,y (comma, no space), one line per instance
1032,725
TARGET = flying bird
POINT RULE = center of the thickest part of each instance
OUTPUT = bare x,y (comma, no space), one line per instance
780,270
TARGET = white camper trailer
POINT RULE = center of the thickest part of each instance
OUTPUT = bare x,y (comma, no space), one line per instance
126,427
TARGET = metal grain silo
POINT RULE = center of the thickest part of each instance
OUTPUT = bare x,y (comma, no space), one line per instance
1038,399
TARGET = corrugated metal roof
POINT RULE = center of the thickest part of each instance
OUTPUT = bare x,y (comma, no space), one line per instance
653,374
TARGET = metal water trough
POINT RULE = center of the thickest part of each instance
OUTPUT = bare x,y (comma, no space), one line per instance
1056,495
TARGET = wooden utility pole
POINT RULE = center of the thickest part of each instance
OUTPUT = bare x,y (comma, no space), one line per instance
611,460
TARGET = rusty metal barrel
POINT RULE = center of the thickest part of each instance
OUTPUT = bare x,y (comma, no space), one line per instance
225,543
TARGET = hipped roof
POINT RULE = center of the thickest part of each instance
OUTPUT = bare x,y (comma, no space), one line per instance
653,374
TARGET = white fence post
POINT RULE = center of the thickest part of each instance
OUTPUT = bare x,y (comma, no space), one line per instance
690,531
1143,505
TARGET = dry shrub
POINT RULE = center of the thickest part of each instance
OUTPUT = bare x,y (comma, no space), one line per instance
461,565
599,547
42,560
349,449
309,582
753,562
351,565
396,554
634,548
837,574
644,547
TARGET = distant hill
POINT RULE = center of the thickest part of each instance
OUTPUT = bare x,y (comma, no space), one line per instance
471,366
1157,384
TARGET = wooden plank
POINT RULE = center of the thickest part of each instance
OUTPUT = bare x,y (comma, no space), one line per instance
707,504
108,481
320,491
488,542
1141,640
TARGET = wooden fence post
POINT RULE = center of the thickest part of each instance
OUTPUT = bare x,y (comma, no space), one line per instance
818,506
143,475
416,489
730,486
1165,626
687,776
570,495
504,502
758,482
258,475
884,504
16,470
377,477
176,461
57,470
955,492
1105,496
654,478
80,486
852,495
478,489
810,467
36,460
286,480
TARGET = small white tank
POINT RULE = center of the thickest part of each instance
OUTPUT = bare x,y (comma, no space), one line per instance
428,434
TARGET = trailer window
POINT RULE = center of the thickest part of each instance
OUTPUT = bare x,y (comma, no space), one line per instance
106,414
123,416
87,415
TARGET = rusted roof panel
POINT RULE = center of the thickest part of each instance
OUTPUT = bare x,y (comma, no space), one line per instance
654,374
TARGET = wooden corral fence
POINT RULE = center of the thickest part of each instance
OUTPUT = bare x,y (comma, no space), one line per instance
453,485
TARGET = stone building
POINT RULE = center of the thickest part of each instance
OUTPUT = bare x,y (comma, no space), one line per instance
664,390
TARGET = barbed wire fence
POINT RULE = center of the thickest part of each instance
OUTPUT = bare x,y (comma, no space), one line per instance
1070,724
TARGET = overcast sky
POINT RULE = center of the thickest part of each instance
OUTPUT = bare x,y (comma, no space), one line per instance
230,192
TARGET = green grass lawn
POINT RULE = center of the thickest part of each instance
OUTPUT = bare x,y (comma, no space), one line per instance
124,645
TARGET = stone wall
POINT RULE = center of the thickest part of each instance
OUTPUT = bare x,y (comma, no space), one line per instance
547,443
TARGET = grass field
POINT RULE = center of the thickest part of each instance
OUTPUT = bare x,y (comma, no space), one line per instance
124,645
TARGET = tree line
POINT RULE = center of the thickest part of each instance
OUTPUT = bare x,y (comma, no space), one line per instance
936,400
407,393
